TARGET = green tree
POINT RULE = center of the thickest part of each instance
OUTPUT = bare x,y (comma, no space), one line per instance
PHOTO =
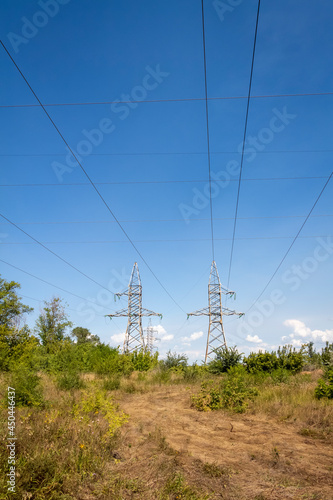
84,336
11,307
52,323
224,359
14,341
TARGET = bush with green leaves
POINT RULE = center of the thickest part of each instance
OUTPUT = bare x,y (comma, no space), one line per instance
261,362
312,358
225,358
324,387
237,390
280,376
232,393
143,360
290,359
174,360
327,354
28,390
69,380
209,397
111,383
194,372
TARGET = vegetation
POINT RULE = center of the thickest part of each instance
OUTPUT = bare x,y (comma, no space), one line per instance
324,388
225,358
69,425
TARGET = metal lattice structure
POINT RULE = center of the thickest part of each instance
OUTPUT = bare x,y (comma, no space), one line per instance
150,337
216,337
134,339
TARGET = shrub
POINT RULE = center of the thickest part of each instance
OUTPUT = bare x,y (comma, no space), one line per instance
225,358
232,394
192,373
69,380
209,398
174,360
280,376
290,359
94,402
143,361
324,388
327,354
236,391
111,384
261,361
28,391
312,359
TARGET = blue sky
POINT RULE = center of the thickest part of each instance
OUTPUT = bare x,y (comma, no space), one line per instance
87,52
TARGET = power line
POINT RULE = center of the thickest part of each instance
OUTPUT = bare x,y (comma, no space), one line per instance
293,242
42,300
171,220
184,99
88,177
207,126
165,153
244,138
53,253
51,284
185,181
59,288
169,240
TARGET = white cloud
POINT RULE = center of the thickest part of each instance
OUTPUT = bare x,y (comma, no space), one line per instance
301,330
160,329
118,338
193,336
165,338
254,339
296,343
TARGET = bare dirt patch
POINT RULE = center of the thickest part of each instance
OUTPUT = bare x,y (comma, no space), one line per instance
258,457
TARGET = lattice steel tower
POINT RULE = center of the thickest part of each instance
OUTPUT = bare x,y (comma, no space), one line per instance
215,311
150,337
134,339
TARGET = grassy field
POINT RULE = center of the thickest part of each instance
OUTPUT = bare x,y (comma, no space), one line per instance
142,437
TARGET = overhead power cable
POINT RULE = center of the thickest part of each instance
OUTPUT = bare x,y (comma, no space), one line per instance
42,300
59,288
169,240
184,99
51,284
88,177
54,253
257,217
244,139
293,242
188,181
176,153
207,126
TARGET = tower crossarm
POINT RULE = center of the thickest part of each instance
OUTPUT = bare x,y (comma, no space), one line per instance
147,312
118,314
227,292
200,312
229,312
120,294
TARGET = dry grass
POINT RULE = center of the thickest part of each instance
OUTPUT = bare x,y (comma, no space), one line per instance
279,449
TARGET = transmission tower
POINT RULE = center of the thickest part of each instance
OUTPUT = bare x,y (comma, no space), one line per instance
134,339
150,337
216,337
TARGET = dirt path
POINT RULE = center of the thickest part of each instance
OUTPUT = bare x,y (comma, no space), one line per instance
264,457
